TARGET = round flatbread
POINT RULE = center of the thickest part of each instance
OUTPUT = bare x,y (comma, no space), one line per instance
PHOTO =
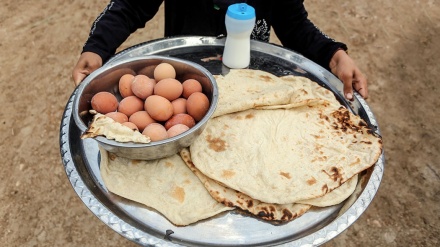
166,185
285,155
243,89
335,196
233,198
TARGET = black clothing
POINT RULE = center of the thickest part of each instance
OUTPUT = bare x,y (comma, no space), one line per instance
206,18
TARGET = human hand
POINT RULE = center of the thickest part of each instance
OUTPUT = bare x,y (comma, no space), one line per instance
87,63
346,70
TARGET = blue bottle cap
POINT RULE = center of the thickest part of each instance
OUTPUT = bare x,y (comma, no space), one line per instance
241,11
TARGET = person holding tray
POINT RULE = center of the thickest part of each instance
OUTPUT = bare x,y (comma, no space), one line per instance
288,18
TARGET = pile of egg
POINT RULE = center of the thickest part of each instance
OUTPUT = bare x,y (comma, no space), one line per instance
159,107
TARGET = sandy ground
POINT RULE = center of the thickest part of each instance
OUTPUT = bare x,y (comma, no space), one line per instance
395,43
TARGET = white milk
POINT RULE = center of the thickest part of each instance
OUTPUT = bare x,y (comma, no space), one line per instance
240,21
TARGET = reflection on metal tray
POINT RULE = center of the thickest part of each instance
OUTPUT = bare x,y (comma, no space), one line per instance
146,227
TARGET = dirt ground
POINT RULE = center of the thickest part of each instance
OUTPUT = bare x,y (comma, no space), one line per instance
395,43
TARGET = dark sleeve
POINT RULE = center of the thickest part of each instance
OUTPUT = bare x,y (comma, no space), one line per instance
295,31
118,20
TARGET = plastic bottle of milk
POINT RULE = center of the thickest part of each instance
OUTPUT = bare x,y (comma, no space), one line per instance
240,21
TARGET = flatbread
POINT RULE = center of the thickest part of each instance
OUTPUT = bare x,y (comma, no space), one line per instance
268,211
166,185
335,196
243,89
233,198
102,125
290,155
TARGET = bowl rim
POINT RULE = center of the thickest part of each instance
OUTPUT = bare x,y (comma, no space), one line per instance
80,89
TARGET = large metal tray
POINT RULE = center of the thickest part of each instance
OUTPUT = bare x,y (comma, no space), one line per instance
146,227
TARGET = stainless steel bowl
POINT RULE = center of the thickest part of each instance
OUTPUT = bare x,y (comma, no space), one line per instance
107,77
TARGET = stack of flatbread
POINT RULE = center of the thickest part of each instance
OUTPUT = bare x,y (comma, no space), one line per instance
274,148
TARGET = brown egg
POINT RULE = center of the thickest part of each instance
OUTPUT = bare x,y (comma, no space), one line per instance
143,86
149,71
163,71
104,102
177,129
179,106
131,125
130,105
113,75
197,105
191,86
125,85
117,116
156,132
168,88
180,118
158,107
141,119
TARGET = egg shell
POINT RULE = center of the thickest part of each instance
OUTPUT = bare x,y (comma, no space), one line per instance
125,85
168,88
163,71
143,86
117,116
156,132
130,105
104,102
197,105
113,75
158,107
181,118
141,119
149,71
177,130
191,86
131,126
179,106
